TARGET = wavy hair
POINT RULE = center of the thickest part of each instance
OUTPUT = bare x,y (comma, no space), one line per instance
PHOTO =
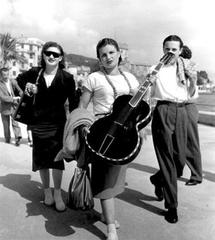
107,41
173,38
186,52
48,45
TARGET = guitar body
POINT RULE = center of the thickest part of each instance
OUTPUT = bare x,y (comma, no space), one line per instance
115,138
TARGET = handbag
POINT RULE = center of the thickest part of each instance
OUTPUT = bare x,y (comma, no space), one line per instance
80,196
24,110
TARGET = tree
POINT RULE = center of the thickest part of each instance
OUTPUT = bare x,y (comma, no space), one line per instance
202,78
8,50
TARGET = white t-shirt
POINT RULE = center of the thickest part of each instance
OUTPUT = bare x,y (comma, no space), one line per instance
103,95
168,87
48,78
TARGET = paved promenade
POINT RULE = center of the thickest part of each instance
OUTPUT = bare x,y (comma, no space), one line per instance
24,217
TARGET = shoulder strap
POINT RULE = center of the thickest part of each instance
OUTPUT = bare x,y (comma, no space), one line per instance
37,80
38,76
126,79
112,85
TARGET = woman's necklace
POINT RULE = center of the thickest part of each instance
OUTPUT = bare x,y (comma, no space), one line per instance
111,83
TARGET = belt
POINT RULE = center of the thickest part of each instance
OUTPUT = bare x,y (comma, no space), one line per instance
177,104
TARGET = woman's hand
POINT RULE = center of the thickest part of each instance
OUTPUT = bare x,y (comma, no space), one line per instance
191,75
30,89
85,130
16,100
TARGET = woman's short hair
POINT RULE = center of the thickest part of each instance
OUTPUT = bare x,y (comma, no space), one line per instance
52,44
107,41
173,38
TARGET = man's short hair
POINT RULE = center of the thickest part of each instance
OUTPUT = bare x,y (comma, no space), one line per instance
4,67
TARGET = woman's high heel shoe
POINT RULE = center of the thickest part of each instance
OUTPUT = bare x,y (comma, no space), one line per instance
49,200
59,203
112,236
117,224
111,232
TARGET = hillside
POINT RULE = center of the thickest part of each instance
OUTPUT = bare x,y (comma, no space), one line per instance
79,60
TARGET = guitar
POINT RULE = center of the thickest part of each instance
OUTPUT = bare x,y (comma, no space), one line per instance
115,138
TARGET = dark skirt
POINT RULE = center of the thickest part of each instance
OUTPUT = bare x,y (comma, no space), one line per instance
47,142
107,180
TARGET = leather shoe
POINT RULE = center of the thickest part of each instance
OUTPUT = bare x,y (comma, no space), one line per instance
192,182
17,143
171,215
7,140
158,189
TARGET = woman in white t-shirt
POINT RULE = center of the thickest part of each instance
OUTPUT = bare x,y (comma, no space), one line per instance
102,88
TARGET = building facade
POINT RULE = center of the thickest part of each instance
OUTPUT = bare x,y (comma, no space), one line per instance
79,66
138,69
30,49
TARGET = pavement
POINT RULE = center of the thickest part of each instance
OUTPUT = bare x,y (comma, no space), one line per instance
23,216
207,117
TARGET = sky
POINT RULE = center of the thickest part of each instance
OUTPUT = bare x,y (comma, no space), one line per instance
142,24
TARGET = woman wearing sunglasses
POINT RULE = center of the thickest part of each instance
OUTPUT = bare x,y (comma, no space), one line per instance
50,86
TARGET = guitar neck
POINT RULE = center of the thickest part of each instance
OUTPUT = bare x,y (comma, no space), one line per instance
157,68
144,87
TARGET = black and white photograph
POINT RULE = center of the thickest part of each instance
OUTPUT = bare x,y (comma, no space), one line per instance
107,120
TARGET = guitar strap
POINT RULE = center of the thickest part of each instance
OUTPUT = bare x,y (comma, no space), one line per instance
36,83
112,85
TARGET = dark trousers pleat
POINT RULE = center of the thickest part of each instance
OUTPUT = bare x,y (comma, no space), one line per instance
193,160
169,131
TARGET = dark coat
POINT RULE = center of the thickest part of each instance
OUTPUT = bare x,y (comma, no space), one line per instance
49,102
7,104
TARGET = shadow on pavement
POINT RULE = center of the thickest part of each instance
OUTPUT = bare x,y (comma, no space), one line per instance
142,167
57,224
138,199
206,175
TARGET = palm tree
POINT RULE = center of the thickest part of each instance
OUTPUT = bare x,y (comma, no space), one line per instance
8,50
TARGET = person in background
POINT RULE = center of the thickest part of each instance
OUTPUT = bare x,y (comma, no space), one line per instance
102,88
193,159
170,123
53,88
29,136
8,102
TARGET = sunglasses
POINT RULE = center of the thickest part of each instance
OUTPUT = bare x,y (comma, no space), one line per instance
54,54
